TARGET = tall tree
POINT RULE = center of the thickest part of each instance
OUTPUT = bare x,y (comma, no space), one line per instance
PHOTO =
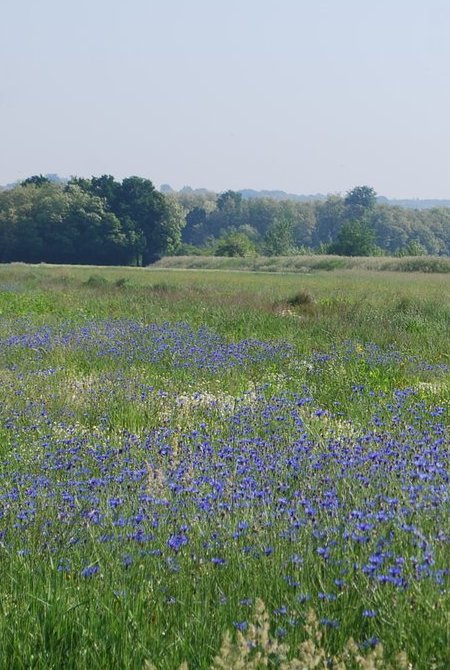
151,222
98,235
229,201
195,230
356,238
279,239
330,215
152,216
360,200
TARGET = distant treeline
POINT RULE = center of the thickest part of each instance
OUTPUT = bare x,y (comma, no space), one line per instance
354,225
107,222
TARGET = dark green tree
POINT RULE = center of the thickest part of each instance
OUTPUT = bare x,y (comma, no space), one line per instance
151,222
35,180
195,230
229,201
49,222
261,213
15,205
228,213
38,219
105,187
359,201
330,215
356,238
98,236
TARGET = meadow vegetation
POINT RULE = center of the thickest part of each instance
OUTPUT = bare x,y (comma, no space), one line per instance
215,469
305,263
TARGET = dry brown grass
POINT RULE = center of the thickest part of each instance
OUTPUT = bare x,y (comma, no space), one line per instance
258,649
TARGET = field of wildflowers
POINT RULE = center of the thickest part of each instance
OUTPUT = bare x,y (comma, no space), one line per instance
192,475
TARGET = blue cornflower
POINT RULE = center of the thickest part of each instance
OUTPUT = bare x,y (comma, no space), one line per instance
175,542
324,552
369,614
303,597
330,623
370,642
127,561
327,596
246,601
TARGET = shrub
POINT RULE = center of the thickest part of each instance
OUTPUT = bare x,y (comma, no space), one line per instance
121,282
96,281
302,299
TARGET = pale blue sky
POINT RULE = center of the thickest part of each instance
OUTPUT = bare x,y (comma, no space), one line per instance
305,96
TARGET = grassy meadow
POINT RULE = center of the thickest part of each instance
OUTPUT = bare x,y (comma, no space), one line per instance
224,469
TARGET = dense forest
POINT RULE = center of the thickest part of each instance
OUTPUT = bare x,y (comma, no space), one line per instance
103,221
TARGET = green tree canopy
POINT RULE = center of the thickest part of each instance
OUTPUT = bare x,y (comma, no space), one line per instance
36,180
152,222
356,238
360,200
235,243
279,239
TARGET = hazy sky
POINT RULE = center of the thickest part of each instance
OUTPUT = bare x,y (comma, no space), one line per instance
306,96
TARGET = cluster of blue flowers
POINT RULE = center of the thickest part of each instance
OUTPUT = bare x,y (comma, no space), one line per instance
373,356
177,344
370,505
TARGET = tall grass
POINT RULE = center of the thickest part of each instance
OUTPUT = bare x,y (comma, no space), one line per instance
304,264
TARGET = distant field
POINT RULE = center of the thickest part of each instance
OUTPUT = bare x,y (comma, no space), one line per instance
408,310
186,452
